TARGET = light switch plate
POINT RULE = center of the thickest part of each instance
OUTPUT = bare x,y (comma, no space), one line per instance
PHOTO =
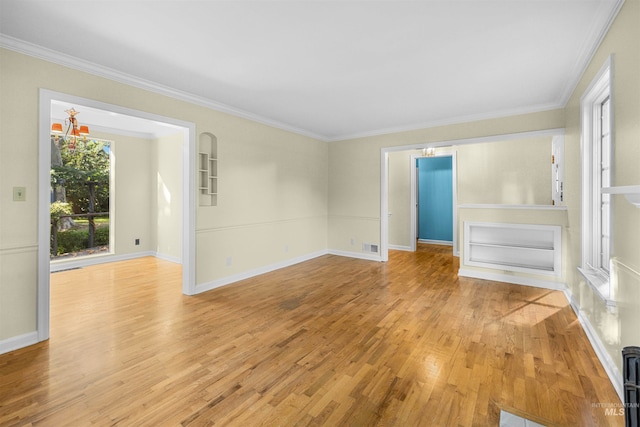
19,194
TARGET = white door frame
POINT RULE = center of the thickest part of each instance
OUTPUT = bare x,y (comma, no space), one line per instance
454,193
44,167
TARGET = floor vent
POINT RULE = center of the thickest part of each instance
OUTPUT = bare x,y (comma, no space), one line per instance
368,247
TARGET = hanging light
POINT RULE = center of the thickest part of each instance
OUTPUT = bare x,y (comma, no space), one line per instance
72,132
428,152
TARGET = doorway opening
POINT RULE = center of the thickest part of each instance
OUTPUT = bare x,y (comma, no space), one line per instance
82,189
447,216
434,199
185,132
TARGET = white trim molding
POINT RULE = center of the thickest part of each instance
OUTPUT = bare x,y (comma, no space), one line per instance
522,207
91,260
357,255
44,164
18,342
400,248
601,352
516,280
203,287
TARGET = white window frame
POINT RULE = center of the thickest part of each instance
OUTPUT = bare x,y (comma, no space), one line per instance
593,267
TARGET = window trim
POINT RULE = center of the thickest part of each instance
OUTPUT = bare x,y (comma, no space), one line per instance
601,88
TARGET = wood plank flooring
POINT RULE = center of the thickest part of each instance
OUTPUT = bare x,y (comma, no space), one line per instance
332,341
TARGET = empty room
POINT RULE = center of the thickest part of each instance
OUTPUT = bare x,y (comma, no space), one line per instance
320,213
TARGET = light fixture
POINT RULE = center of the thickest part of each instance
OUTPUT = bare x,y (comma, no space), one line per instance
72,132
428,152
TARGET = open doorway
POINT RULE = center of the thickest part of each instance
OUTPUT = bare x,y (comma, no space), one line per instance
390,155
185,177
82,186
448,180
434,184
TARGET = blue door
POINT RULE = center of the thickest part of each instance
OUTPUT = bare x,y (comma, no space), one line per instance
435,198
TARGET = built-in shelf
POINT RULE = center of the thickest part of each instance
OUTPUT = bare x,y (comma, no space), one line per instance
630,192
208,170
526,248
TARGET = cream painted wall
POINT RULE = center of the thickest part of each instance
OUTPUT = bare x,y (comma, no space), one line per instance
134,191
277,187
273,187
617,327
505,172
354,172
400,198
167,196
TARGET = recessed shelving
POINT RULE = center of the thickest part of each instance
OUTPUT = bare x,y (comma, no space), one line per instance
208,170
527,248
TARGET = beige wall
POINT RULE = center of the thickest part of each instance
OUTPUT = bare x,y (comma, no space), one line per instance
167,196
133,173
272,203
514,172
273,186
400,170
616,327
354,172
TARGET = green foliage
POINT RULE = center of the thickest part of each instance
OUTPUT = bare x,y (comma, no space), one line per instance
101,237
88,163
78,240
59,209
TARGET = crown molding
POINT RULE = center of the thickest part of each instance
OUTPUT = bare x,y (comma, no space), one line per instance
69,61
451,121
589,49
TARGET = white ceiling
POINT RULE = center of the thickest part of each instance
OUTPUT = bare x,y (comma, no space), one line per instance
329,69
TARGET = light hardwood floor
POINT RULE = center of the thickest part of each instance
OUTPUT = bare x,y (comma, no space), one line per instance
332,341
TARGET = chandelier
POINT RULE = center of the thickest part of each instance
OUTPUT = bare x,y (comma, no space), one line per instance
428,152
72,132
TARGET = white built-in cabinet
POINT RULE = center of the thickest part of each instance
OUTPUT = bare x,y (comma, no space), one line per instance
527,248
208,169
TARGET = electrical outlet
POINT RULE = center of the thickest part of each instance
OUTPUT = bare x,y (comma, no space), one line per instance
229,261
353,241
286,248
19,194
137,242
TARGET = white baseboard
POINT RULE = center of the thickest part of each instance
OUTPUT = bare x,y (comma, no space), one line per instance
601,352
14,343
517,280
359,255
104,259
603,355
400,248
436,242
203,287
169,258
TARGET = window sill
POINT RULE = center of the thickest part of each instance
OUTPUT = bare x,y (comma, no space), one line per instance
599,284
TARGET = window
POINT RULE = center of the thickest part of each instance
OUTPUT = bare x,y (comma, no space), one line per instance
597,143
